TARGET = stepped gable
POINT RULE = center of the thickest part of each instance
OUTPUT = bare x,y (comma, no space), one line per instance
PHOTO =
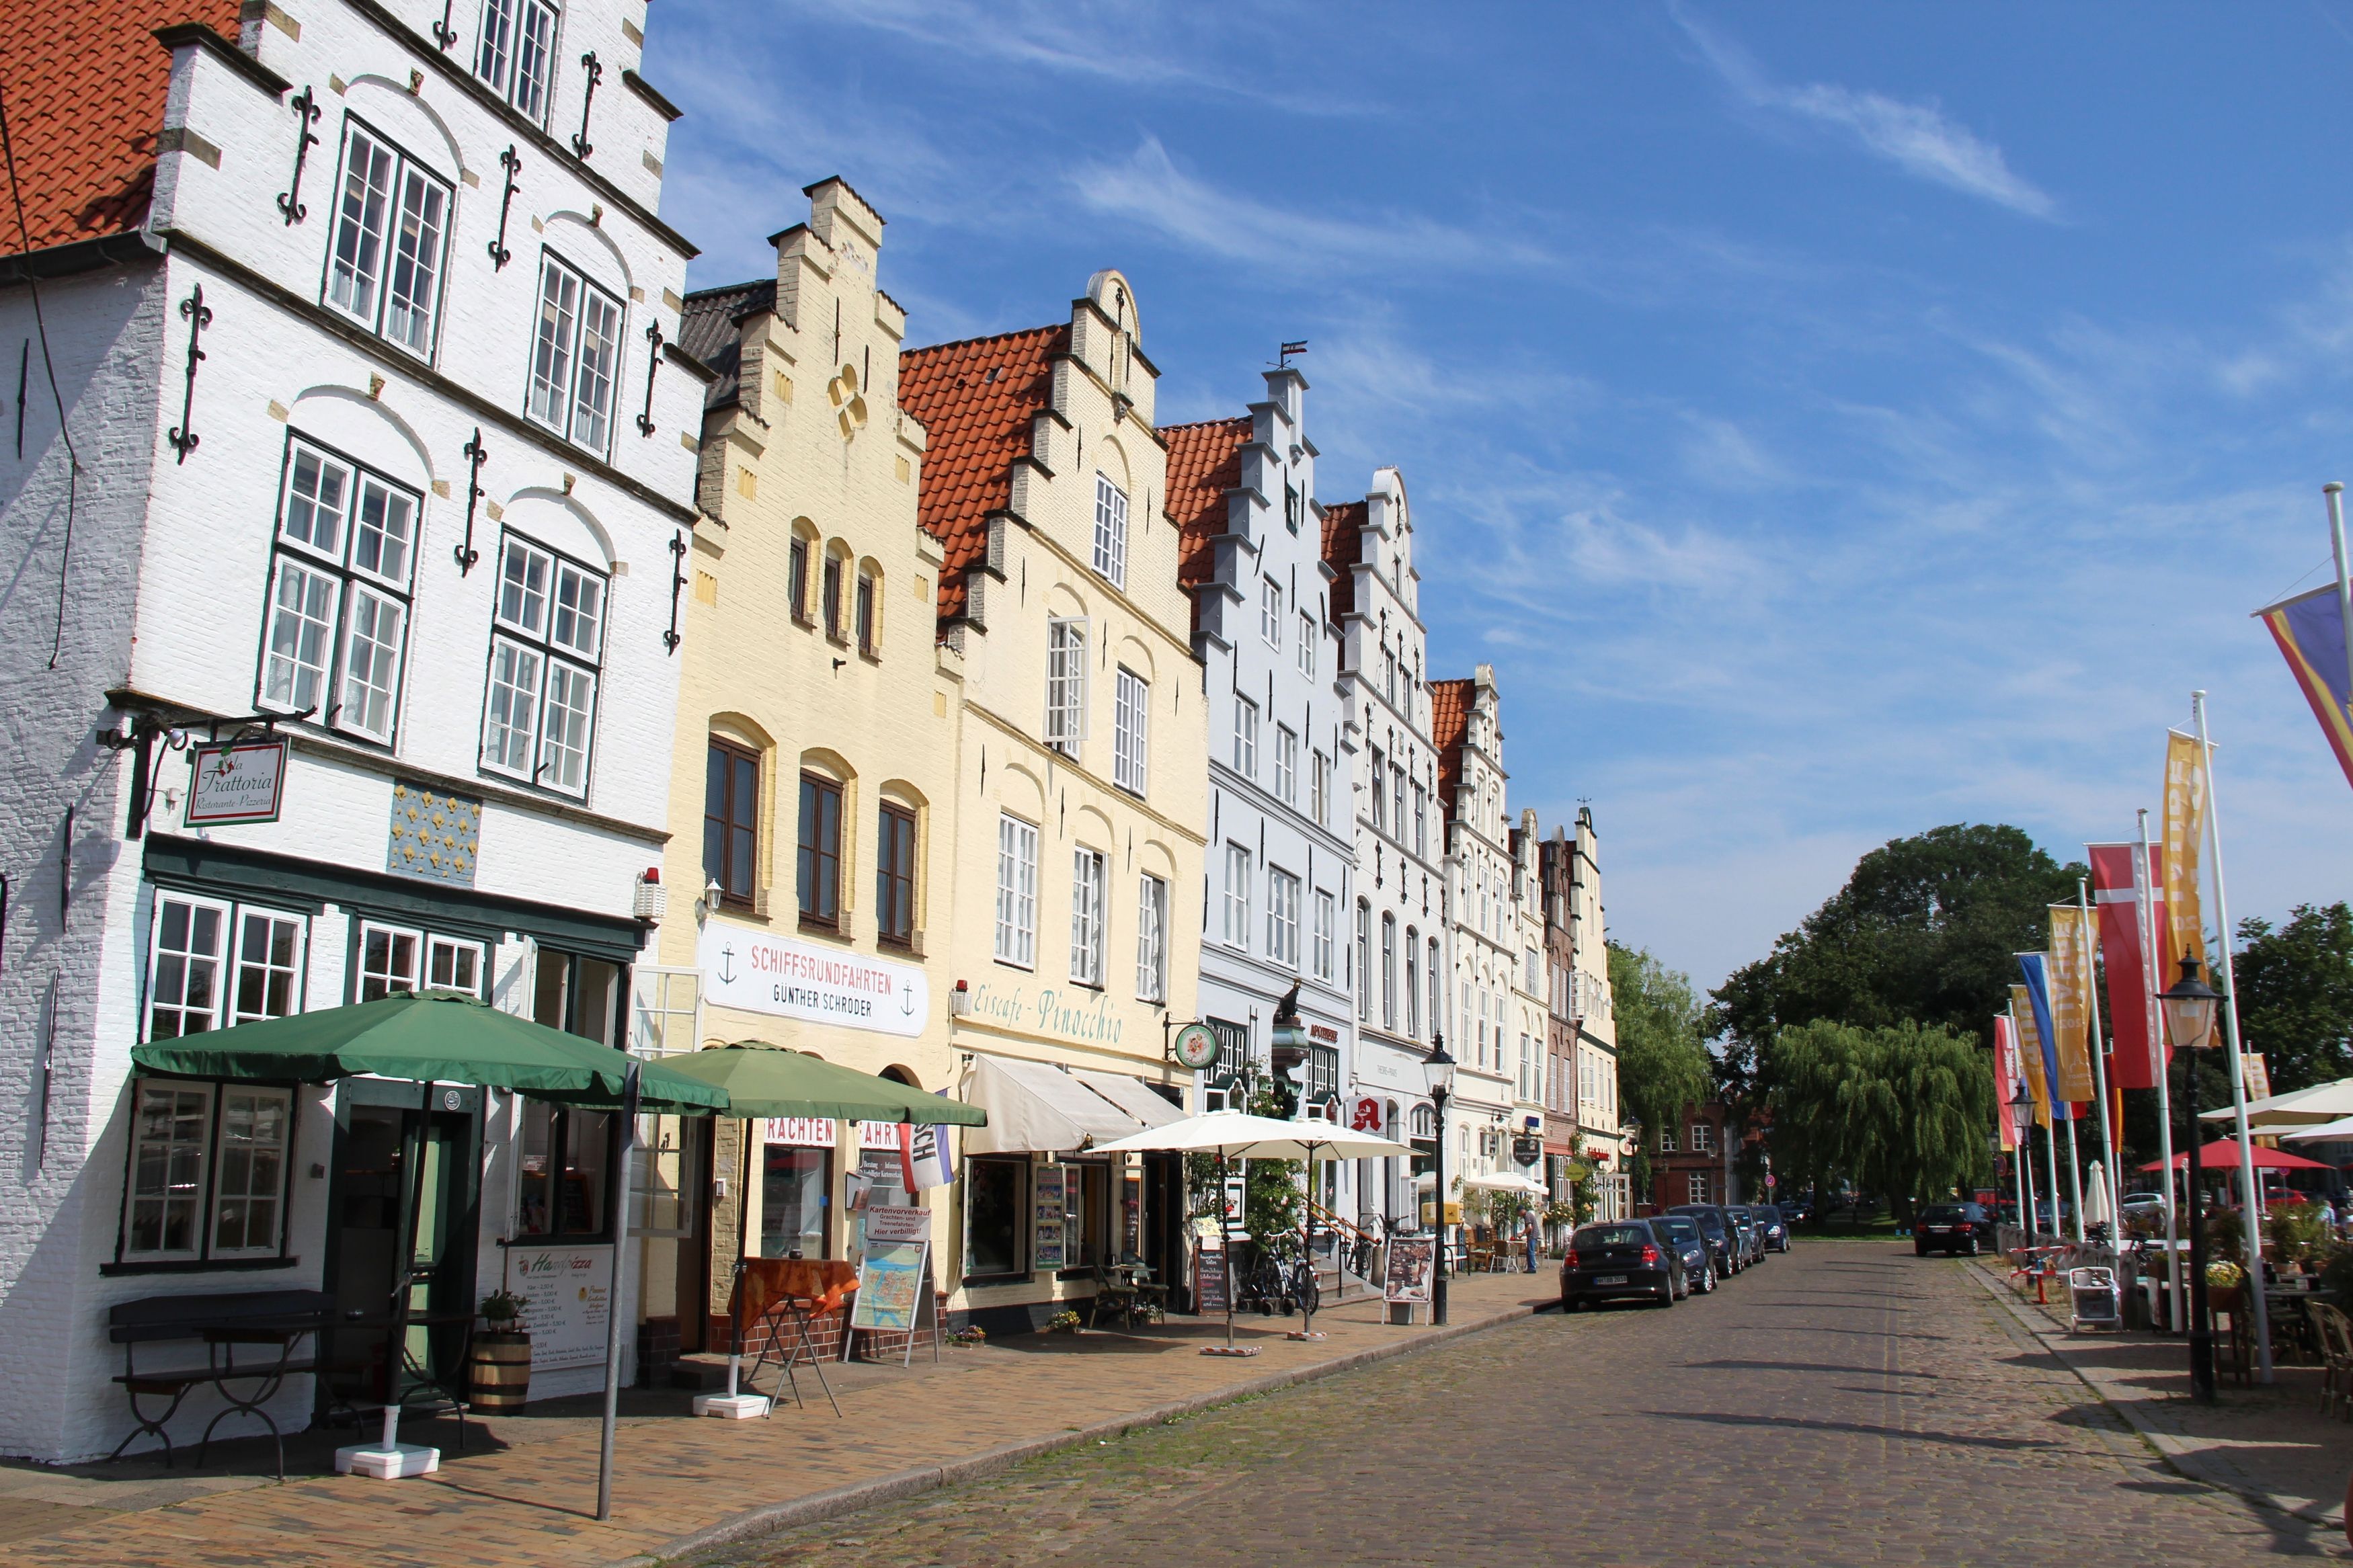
1449,727
976,400
1344,547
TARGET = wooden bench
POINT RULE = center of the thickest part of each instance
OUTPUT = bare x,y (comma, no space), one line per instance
278,1320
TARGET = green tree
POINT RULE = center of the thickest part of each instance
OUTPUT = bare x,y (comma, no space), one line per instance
1925,929
1900,1110
2295,994
1662,1063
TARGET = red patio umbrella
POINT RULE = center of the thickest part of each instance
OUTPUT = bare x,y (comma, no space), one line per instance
2224,1153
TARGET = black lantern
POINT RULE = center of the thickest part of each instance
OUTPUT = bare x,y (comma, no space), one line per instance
2190,1004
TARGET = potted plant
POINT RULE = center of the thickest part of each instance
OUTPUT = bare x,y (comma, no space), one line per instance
498,1369
1063,1323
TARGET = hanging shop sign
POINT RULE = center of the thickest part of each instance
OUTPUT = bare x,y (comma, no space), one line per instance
1364,1116
240,781
765,974
1196,1046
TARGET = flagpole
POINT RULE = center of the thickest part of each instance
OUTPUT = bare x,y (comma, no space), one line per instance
2051,1163
2114,1196
2148,990
2343,586
2255,1225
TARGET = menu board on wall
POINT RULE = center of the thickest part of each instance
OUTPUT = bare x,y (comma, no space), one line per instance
1049,1250
565,1291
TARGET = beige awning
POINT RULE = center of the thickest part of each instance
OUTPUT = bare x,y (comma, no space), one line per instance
1133,1094
1038,1108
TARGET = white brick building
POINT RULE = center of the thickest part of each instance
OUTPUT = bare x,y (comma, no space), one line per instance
376,436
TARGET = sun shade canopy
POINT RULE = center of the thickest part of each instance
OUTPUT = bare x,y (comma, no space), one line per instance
1238,1136
429,1036
762,1079
2223,1155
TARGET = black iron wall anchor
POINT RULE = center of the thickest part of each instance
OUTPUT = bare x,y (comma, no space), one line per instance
581,145
499,254
443,34
653,364
199,316
671,640
306,114
475,455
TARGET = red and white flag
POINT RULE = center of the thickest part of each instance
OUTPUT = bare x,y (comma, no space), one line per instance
2005,1080
2133,980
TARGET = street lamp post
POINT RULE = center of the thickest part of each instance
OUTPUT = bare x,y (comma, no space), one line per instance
2189,1022
2021,1106
1440,1069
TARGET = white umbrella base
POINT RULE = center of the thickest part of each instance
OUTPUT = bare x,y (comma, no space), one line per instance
1303,1334
1229,1349
731,1406
398,1462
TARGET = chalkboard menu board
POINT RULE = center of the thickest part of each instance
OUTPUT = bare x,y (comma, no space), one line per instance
1210,1280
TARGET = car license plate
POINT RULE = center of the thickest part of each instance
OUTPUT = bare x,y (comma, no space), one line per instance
1611,1279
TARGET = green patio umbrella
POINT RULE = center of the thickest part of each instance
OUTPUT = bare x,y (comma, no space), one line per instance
429,1037
761,1081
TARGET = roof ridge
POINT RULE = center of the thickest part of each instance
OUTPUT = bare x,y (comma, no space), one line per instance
984,338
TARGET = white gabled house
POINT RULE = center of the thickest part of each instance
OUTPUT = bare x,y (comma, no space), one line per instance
373,441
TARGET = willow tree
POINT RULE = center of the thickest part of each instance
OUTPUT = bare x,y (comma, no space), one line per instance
1900,1110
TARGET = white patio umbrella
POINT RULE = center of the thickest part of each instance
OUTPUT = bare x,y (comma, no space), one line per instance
2097,1210
1235,1135
2297,1107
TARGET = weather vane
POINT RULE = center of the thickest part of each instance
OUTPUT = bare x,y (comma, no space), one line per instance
1290,348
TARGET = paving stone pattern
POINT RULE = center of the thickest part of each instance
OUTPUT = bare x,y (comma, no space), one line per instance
1845,1403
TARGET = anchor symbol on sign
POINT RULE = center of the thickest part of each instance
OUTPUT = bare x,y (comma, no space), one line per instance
726,963
907,1001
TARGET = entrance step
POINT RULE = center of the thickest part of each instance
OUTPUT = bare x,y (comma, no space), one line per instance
703,1374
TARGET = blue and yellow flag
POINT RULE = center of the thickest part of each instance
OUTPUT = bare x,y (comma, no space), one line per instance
2035,967
2310,631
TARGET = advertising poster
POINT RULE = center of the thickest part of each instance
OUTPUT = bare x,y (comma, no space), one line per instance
889,1285
1049,1250
566,1291
1412,1265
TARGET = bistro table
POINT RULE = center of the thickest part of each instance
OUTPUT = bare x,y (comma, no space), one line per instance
2287,1303
792,1292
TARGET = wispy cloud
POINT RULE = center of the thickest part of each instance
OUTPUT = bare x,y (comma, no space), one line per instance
1916,137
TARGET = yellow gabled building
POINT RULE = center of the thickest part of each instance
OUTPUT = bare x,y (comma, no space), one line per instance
813,787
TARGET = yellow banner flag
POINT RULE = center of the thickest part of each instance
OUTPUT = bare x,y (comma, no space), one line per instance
2070,1004
2030,1052
2184,831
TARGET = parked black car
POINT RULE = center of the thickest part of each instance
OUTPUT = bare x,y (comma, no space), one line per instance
1682,1233
1953,1227
1752,1235
1716,1225
1776,1228
1625,1259
1795,1209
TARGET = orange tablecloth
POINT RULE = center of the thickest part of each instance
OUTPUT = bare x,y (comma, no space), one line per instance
822,1281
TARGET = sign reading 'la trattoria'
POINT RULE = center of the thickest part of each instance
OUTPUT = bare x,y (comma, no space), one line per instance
763,974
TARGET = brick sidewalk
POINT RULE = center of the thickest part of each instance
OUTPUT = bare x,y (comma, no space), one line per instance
2269,1444
680,1483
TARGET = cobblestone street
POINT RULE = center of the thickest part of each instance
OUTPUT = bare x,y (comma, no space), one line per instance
1846,1404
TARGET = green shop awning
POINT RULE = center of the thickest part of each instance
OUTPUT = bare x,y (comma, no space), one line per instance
432,1036
762,1079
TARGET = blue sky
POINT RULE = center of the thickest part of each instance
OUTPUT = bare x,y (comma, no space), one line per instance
1831,421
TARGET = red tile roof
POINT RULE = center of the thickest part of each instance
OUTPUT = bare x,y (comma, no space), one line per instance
85,81
1204,461
975,399
1449,727
1343,546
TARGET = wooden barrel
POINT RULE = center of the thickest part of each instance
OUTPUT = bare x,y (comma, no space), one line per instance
498,1373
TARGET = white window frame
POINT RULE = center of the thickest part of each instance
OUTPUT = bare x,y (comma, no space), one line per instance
1667,1141
1286,764
576,356
1380,801
1362,979
1388,969
548,620
665,1010
211,961
1327,917
253,1159
1130,754
1283,917
1319,787
1151,939
1088,871
1703,1138
364,978
343,646
1110,531
458,947
267,968
1307,644
388,248
1017,892
516,51
180,1186
1420,820
1270,613
1238,871
1066,684
1245,737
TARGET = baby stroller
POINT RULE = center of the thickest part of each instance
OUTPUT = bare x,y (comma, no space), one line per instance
2093,1295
